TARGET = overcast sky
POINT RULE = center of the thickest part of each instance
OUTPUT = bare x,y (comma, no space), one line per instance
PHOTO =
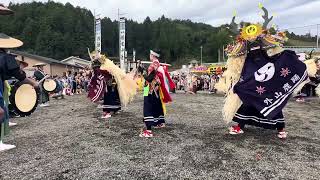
288,13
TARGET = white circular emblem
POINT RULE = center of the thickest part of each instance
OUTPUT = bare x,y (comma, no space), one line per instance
265,73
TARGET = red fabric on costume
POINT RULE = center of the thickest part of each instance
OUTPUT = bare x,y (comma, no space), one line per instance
166,95
97,85
154,66
172,85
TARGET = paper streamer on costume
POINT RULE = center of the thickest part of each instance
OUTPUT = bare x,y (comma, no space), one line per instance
312,71
229,78
162,103
127,87
267,86
311,67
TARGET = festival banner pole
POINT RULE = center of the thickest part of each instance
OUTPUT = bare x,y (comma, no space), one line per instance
122,42
318,36
98,34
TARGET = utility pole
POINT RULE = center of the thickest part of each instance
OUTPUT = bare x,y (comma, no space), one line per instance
134,58
223,53
201,54
119,39
318,36
94,22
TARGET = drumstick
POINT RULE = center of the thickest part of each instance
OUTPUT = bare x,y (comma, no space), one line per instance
46,77
149,62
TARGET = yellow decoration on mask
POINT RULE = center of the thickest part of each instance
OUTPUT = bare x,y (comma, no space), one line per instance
260,5
251,32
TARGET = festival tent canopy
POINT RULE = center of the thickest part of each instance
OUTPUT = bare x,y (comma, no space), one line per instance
199,69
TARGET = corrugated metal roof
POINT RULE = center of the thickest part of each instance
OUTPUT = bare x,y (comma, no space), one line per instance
41,58
74,57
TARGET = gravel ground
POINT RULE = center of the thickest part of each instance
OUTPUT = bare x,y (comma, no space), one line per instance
69,141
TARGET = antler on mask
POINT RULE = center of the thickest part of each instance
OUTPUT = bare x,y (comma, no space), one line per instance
266,17
234,26
310,54
90,54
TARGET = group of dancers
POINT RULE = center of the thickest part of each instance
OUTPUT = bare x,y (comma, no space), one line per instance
116,88
260,78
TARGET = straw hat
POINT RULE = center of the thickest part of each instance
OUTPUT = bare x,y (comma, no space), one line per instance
4,10
39,64
8,42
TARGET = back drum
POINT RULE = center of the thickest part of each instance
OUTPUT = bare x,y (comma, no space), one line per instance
24,99
50,85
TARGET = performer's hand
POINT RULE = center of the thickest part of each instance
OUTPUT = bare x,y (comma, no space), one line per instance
32,82
35,85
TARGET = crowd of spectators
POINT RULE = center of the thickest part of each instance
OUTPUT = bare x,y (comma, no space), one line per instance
72,83
191,83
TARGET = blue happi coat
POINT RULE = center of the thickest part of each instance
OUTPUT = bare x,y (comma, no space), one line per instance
266,83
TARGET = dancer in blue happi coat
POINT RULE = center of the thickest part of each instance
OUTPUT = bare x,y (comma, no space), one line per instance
260,78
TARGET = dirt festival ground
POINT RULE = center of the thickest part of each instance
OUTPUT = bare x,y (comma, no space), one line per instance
68,141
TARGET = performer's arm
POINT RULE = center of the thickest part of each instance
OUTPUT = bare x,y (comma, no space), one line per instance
15,71
31,82
150,77
140,70
106,74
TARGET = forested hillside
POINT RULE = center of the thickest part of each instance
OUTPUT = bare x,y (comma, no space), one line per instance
58,31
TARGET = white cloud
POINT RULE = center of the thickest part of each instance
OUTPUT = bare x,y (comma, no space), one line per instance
289,13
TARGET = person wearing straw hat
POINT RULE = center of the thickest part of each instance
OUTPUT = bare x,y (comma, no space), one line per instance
39,75
9,68
22,65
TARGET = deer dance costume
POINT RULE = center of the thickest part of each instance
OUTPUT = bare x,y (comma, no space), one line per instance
260,78
108,80
156,94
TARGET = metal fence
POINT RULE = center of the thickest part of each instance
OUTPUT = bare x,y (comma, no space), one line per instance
302,49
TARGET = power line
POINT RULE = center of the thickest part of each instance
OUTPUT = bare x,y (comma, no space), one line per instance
302,26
